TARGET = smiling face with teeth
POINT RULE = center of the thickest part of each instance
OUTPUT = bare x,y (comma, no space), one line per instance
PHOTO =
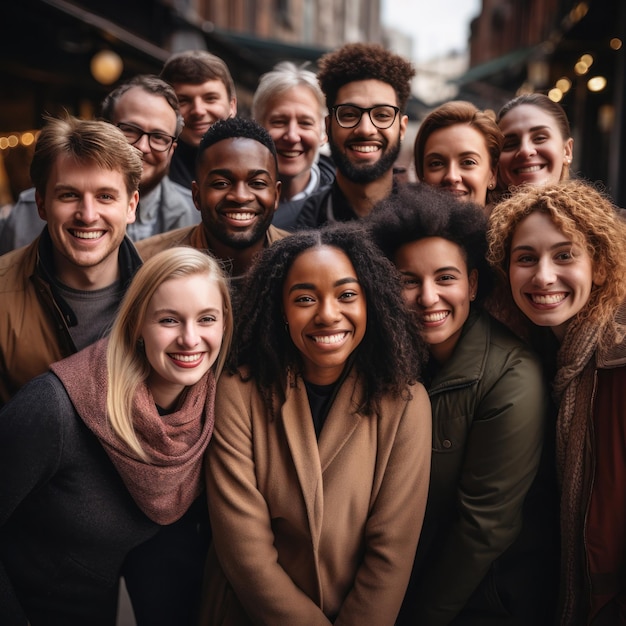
87,209
551,275
295,122
325,310
437,285
236,192
456,158
182,334
365,153
534,150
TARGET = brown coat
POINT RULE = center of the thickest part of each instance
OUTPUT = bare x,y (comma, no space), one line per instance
314,532
193,236
34,319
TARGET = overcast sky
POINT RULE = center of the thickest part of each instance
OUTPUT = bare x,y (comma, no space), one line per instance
437,26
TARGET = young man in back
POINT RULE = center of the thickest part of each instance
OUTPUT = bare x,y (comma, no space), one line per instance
206,93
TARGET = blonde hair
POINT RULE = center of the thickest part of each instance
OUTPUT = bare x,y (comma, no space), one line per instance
127,365
581,212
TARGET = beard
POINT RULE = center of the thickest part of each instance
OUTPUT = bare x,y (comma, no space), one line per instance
241,240
362,174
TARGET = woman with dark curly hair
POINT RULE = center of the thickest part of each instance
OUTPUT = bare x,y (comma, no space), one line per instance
319,469
484,552
560,252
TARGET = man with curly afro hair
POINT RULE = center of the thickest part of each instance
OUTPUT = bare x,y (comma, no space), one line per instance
367,88
236,191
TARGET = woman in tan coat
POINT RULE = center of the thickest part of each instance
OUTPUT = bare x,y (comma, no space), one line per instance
319,465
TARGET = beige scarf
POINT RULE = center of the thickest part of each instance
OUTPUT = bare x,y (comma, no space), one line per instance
165,487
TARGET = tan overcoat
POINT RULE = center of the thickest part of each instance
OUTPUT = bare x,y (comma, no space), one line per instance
312,532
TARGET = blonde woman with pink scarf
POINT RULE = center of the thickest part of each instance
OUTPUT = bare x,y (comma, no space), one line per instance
101,459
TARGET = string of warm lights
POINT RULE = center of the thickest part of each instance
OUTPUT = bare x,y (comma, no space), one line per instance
106,67
582,67
584,63
26,138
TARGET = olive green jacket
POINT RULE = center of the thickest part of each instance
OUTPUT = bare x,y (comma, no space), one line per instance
489,404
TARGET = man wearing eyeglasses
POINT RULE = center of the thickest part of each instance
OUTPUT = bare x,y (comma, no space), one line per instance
206,93
367,88
145,109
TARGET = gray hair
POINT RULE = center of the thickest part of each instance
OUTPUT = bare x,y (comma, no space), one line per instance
284,76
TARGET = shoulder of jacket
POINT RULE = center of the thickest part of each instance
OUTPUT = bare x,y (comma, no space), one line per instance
18,264
151,245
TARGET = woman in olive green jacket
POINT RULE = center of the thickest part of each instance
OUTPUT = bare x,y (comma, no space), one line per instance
484,554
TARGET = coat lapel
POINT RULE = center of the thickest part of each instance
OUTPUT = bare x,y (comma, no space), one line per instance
310,457
342,420
300,435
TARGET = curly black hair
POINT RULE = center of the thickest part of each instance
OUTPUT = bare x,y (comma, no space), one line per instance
236,127
363,61
391,353
418,211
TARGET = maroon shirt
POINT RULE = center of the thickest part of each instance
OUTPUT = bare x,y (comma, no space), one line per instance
605,534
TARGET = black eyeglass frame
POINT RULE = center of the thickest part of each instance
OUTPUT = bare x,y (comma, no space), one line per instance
141,132
362,110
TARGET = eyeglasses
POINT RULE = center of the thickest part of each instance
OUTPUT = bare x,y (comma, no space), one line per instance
349,115
159,142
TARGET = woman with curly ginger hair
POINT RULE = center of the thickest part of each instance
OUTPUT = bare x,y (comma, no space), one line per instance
319,469
485,553
561,250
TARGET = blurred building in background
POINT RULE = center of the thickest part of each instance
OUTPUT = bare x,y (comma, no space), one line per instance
67,54
60,55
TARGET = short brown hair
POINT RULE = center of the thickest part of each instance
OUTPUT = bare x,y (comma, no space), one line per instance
150,84
457,112
195,67
86,141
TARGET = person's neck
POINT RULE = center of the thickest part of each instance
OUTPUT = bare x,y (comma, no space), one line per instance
238,259
99,276
293,185
362,197
188,144
147,188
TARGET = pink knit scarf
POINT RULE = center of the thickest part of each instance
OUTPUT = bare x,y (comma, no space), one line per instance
165,487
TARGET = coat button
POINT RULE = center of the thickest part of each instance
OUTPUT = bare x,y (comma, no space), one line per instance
447,443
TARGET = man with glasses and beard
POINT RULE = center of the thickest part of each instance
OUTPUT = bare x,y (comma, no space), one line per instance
366,88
